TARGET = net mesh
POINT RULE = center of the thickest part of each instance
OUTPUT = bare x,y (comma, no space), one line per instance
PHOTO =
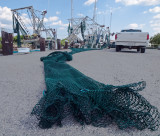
90,102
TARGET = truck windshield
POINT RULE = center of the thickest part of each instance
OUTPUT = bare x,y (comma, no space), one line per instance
131,30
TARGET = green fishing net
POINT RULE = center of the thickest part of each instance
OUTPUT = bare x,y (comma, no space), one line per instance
89,101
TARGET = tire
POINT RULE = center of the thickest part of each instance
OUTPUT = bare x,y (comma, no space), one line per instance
142,50
117,48
120,47
138,49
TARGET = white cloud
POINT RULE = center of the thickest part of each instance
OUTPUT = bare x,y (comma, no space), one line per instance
5,14
112,9
141,26
155,24
151,22
30,28
135,26
55,18
108,11
89,2
8,26
102,12
80,15
25,19
57,12
155,10
24,14
55,21
156,30
157,16
59,23
145,12
138,2
6,18
62,28
45,20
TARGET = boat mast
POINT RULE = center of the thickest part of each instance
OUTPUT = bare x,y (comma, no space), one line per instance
95,7
71,12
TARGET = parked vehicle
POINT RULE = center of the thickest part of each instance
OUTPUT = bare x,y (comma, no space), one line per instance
132,39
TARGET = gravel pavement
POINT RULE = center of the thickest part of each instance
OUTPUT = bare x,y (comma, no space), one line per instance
22,85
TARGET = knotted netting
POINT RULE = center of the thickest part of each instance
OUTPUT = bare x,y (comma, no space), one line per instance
89,101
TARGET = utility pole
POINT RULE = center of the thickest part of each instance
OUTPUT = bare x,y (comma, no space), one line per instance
95,8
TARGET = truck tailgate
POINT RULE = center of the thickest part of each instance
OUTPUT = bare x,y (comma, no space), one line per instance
132,36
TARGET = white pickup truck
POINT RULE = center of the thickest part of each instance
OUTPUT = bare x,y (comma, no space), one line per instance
132,39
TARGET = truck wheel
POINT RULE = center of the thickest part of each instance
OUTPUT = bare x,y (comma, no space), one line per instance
142,50
138,49
117,48
120,48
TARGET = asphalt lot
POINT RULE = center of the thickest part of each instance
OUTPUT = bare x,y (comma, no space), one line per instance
22,84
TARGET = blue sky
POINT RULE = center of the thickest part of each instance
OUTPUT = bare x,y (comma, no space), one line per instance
142,14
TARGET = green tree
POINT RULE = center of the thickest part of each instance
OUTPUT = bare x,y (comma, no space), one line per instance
15,38
155,39
63,42
48,38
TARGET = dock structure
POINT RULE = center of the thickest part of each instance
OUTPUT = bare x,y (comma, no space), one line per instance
36,24
87,32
